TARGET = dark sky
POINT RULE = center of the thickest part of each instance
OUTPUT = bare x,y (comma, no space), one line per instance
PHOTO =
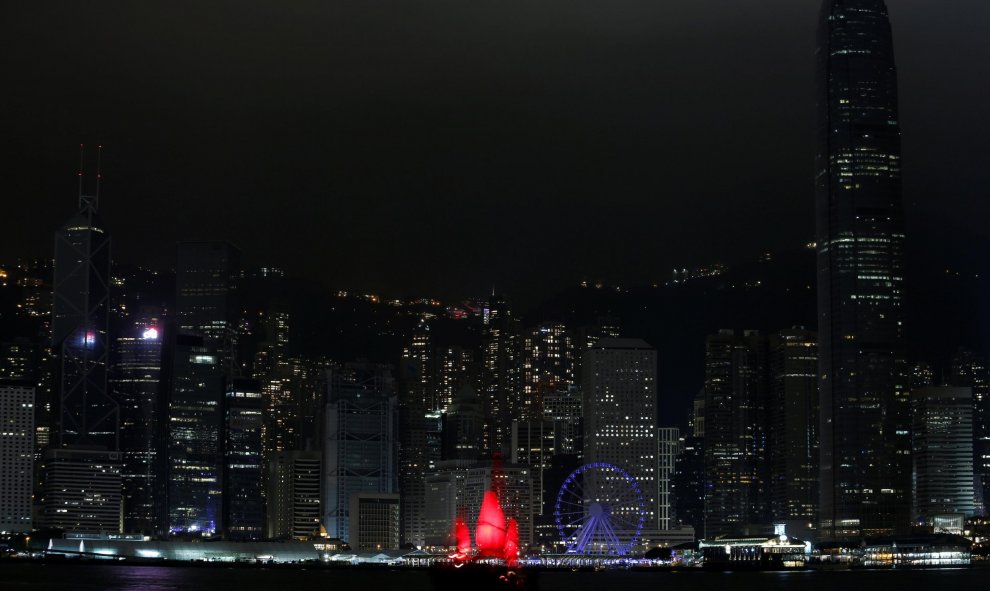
438,147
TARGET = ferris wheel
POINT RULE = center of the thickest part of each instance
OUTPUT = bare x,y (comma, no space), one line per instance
599,510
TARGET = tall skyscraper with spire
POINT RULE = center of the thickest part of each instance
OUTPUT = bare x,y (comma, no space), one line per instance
88,415
81,468
865,409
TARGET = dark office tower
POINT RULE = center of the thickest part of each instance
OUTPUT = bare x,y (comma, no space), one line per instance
415,396
361,444
943,454
969,370
192,437
736,392
689,471
87,414
206,303
464,427
135,381
293,495
865,439
793,427
500,374
547,365
243,503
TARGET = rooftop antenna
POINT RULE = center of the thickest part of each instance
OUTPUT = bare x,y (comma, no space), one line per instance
79,173
99,175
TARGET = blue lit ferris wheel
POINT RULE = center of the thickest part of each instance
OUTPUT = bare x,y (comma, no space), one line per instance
599,510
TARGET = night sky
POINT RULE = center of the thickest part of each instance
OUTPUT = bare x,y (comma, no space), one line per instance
440,147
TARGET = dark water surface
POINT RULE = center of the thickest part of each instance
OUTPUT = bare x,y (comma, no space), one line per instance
36,577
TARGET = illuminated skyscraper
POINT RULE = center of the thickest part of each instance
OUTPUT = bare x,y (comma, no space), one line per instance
135,380
547,365
243,501
81,472
865,438
16,455
970,370
500,374
415,396
943,453
669,446
453,367
192,437
792,430
620,412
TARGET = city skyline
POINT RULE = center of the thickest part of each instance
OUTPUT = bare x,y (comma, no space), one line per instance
785,395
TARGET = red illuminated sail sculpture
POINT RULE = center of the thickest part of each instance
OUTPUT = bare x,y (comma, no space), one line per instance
490,531
510,551
463,536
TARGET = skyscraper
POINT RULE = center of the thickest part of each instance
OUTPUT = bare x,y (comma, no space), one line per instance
500,374
865,439
414,398
793,425
361,443
16,455
87,415
243,500
135,380
81,471
293,495
547,365
943,453
970,370
736,392
620,412
191,437
669,446
206,281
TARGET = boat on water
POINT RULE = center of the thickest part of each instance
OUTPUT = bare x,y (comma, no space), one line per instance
492,562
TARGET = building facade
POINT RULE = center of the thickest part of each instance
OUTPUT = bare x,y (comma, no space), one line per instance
87,415
16,456
243,497
736,390
360,453
943,453
192,438
135,382
793,427
374,522
620,413
293,495
865,436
